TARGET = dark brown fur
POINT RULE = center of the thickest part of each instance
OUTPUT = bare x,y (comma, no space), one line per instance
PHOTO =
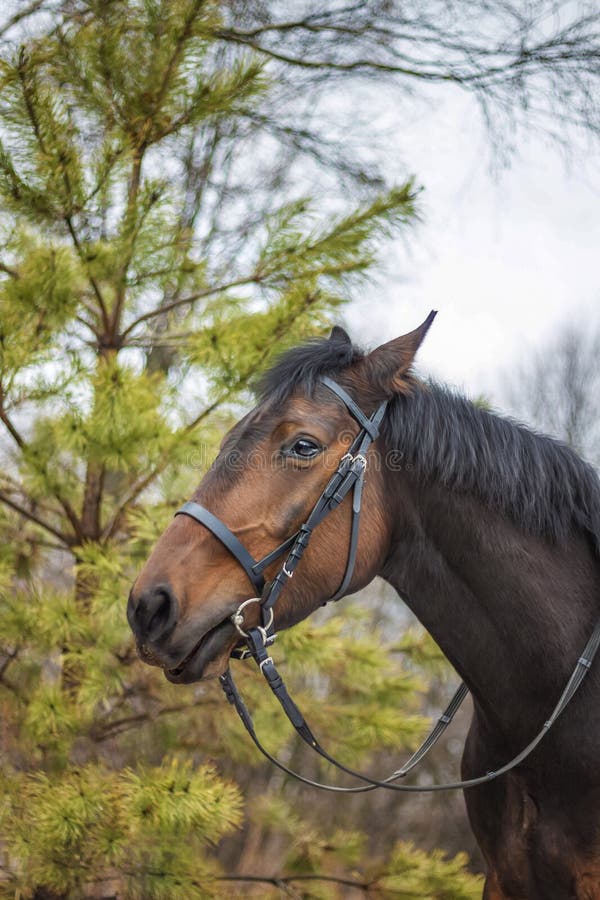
489,532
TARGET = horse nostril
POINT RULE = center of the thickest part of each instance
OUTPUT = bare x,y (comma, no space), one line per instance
155,614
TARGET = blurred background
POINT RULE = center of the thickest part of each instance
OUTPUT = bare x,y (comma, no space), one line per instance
188,188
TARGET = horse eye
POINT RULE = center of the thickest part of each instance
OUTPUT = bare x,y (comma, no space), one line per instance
304,449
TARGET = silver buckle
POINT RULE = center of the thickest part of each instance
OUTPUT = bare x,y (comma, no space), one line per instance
362,458
238,619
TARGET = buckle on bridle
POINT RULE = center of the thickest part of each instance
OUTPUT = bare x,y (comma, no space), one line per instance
237,618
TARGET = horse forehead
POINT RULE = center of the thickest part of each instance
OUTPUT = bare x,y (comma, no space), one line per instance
305,411
252,425
263,420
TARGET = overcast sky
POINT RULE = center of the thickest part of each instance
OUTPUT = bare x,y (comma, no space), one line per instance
505,258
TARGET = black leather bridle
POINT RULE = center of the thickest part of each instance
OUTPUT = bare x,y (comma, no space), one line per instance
349,476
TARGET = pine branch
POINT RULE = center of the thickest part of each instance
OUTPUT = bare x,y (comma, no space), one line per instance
282,881
186,32
134,492
100,732
94,284
14,487
132,195
10,686
346,225
29,99
28,96
10,657
91,327
113,525
67,508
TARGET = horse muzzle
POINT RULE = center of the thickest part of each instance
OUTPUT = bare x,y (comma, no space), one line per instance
188,653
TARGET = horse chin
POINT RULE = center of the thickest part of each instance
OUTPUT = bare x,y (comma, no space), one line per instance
208,659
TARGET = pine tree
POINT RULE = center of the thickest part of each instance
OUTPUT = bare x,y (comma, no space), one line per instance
140,293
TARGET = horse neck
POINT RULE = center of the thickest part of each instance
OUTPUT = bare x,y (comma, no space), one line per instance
511,611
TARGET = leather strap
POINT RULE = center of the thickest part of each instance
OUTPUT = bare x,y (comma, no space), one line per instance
353,408
293,713
228,538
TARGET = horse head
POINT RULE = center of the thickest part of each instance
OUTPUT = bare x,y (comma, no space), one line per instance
271,469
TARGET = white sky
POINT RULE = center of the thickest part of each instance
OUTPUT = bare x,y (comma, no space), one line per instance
505,258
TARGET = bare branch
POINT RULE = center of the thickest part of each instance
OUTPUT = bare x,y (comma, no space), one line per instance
183,301
32,517
10,427
104,731
356,65
9,271
23,13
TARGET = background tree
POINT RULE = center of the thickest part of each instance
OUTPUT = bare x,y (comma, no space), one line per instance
557,386
128,332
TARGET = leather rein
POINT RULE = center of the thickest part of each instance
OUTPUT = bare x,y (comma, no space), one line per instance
348,477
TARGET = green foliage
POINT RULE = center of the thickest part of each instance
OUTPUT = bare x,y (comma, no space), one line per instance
128,339
36,306
421,876
73,830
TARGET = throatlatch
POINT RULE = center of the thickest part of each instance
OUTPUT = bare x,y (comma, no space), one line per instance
349,476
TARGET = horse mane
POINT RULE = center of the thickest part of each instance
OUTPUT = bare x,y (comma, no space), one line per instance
537,481
300,367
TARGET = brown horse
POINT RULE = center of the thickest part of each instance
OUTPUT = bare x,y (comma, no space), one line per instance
491,534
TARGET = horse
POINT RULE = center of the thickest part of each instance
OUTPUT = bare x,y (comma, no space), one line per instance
489,532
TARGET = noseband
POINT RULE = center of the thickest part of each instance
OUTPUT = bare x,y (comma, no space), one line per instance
349,476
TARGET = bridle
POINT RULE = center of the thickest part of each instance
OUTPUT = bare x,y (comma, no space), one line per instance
349,476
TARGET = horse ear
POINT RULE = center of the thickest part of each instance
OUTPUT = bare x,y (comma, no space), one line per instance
391,361
339,335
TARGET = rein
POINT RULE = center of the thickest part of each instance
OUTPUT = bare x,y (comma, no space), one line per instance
349,476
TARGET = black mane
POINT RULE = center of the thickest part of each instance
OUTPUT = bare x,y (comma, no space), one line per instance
301,367
542,485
